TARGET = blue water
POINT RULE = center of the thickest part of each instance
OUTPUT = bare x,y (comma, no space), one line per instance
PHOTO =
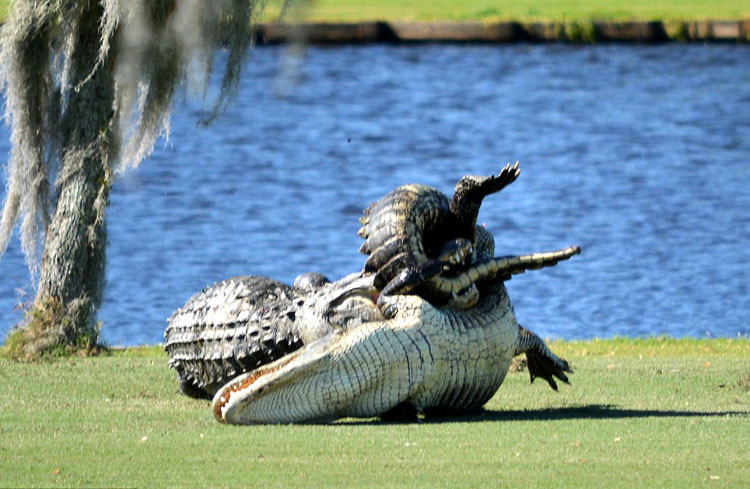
639,154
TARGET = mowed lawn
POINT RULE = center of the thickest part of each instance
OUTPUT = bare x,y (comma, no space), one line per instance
528,10
639,413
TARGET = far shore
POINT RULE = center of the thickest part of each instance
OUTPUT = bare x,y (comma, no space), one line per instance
735,31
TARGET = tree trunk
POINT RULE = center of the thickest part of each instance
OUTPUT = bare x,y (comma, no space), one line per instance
72,274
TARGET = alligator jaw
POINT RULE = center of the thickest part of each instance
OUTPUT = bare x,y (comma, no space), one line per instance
230,401
363,373
359,287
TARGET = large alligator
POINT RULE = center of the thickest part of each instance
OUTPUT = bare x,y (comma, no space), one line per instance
247,322
423,358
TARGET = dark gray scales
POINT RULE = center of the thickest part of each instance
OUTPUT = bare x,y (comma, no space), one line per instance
411,230
227,329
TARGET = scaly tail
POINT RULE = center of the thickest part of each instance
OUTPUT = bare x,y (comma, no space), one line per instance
501,269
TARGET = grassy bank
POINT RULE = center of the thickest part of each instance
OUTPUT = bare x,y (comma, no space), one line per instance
530,10
499,10
645,413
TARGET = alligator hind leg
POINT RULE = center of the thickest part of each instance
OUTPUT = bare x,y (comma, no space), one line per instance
541,362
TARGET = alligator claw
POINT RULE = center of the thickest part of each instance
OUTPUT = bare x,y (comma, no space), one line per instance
547,367
540,361
495,183
474,189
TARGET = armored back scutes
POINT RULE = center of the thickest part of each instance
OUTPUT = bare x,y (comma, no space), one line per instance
227,329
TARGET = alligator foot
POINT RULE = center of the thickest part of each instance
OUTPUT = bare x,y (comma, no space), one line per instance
189,387
541,362
496,183
474,189
471,190
547,367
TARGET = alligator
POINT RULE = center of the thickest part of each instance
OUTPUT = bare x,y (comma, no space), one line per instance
248,321
406,229
219,335
421,358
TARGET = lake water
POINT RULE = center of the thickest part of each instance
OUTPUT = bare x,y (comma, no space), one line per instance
639,154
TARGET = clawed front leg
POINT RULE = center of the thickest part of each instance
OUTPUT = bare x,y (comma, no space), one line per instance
541,362
495,183
547,367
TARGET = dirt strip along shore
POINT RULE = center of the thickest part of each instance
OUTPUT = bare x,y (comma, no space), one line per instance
506,32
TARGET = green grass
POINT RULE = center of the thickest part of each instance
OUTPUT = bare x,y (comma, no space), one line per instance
529,10
640,413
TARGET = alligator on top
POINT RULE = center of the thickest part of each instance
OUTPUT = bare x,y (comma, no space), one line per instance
411,232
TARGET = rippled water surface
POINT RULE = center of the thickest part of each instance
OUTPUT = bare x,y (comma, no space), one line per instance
640,154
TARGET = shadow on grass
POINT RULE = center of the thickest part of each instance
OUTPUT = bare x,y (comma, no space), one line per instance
590,411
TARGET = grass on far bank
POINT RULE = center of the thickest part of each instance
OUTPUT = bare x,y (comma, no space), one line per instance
529,10
639,413
499,10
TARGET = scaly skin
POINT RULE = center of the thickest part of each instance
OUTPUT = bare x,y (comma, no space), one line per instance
394,229
425,357
227,329
422,356
244,322
499,269
362,371
408,227
248,321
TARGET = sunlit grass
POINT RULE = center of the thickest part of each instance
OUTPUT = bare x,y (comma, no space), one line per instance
660,347
639,413
529,10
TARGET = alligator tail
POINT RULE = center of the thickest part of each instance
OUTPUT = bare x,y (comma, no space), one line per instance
502,268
